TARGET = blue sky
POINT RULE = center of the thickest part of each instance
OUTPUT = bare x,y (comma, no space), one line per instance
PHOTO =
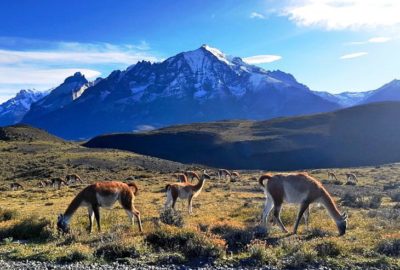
329,45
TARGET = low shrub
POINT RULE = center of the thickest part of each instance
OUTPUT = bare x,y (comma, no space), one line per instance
358,201
301,258
235,237
395,196
389,247
260,254
327,249
7,214
113,251
172,217
31,228
174,258
191,244
74,256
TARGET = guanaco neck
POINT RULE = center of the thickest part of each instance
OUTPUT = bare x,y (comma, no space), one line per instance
72,207
200,184
330,205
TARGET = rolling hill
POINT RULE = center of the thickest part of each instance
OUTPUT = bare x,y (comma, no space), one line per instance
362,135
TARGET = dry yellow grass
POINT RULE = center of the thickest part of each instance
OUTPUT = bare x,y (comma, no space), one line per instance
223,213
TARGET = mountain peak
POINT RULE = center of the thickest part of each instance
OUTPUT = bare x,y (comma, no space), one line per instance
77,77
216,52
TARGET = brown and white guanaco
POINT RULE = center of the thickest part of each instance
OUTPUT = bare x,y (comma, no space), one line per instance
58,182
298,188
223,173
184,191
16,186
73,178
102,194
332,176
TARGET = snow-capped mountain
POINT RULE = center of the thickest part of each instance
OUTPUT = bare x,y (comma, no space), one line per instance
345,99
388,92
71,89
194,86
14,109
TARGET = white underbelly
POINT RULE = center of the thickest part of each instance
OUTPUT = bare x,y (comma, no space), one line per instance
106,201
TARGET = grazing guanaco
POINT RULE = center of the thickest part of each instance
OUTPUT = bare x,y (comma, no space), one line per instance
191,175
185,191
16,186
182,178
332,176
41,184
73,178
351,177
58,182
235,176
223,173
102,194
298,188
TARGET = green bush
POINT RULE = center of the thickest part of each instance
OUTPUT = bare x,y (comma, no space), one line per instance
113,251
172,217
236,238
358,201
327,249
189,243
32,228
75,256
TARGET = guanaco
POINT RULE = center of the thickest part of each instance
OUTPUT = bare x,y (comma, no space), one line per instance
223,173
235,176
73,178
298,188
191,175
185,191
102,194
58,182
332,176
351,177
16,186
182,178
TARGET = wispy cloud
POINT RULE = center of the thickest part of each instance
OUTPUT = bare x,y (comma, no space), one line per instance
43,64
256,15
372,40
260,59
353,55
344,14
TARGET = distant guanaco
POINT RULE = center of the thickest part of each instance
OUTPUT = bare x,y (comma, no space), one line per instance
184,191
332,176
191,175
58,182
223,173
16,186
73,178
351,177
182,178
298,188
235,176
102,194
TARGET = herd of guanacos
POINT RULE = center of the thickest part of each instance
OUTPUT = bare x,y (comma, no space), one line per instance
297,188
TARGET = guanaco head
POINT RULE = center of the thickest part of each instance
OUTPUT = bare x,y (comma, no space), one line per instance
62,225
342,224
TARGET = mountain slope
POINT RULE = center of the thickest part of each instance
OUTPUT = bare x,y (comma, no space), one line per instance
362,135
195,86
71,89
14,109
388,92
346,99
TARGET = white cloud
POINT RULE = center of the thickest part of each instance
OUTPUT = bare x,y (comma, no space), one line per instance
256,15
353,55
46,64
379,39
42,77
260,59
344,14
